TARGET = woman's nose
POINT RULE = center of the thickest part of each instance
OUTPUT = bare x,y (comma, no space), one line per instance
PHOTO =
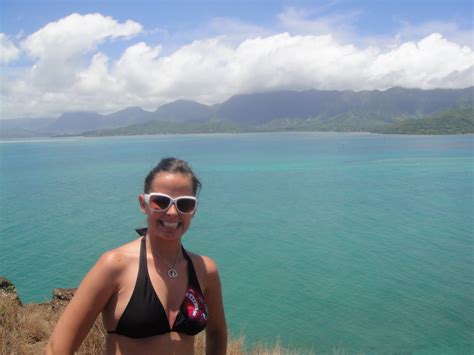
172,210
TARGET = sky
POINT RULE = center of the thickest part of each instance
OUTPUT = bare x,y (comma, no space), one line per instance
103,56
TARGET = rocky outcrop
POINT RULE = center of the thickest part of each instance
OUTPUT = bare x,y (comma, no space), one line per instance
63,294
8,290
60,297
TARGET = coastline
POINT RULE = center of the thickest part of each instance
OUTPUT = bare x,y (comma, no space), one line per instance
73,138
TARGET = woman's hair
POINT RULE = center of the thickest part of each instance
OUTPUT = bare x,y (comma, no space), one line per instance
172,166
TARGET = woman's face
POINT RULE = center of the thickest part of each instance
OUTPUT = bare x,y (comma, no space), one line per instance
169,224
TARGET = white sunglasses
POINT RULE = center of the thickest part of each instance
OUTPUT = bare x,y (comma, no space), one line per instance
160,202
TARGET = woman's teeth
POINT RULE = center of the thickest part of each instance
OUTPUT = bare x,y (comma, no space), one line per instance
169,224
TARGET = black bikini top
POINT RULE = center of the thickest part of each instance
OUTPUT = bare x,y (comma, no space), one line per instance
145,316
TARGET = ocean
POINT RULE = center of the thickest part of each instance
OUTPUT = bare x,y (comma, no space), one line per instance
352,241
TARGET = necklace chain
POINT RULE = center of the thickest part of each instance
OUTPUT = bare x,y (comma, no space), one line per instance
172,273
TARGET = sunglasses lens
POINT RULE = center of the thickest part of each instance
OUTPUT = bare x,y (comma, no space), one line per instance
186,205
159,202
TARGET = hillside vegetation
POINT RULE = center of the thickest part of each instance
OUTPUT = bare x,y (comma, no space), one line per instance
310,110
452,121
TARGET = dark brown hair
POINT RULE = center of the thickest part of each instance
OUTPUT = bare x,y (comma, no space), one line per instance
173,166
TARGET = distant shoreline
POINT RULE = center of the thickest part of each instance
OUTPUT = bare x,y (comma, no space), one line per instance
44,139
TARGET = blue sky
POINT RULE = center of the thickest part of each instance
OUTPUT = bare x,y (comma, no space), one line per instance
114,54
381,16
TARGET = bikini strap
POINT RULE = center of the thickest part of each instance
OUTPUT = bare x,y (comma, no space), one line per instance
141,231
142,267
193,280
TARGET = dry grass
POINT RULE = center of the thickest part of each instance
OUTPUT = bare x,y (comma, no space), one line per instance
26,329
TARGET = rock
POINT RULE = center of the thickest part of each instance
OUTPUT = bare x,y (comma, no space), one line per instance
61,297
6,285
8,290
63,294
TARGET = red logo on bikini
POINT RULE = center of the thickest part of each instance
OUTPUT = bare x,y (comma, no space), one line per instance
195,306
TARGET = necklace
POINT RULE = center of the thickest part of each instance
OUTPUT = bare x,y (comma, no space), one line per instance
172,273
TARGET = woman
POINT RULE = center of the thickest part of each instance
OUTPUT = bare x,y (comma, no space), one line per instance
154,296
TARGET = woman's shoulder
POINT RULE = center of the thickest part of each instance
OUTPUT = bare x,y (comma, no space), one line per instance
203,261
117,259
206,269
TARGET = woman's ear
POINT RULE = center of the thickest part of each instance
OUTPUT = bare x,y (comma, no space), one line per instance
143,206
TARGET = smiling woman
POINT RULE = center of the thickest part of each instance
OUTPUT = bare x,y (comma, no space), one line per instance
152,293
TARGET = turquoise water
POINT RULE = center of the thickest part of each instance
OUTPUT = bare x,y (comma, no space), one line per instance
355,241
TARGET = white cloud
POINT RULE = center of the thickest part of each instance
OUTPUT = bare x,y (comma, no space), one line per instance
213,69
300,62
423,65
8,51
59,46
136,68
75,35
95,78
450,30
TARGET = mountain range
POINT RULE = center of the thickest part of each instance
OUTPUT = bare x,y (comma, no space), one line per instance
314,110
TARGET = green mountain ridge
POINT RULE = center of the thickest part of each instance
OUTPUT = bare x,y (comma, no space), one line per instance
310,110
168,127
451,121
